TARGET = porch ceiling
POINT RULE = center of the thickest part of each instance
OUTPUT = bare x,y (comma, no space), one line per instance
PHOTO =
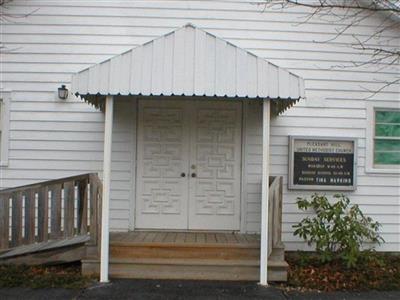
189,62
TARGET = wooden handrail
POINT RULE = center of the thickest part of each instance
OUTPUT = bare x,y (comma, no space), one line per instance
47,182
51,210
275,202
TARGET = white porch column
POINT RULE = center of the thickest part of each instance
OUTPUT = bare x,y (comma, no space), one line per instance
105,211
264,194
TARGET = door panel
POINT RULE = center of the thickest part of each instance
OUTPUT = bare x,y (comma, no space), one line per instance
162,157
215,156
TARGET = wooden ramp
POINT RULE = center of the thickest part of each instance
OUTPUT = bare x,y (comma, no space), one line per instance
185,255
59,251
50,222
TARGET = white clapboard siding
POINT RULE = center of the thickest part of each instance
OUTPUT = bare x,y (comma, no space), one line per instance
50,138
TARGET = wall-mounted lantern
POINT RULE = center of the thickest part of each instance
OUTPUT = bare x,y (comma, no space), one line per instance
62,92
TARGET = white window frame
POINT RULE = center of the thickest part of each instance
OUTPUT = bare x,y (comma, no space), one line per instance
5,98
370,167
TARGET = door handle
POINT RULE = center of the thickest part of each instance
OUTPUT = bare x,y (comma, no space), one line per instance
183,174
194,175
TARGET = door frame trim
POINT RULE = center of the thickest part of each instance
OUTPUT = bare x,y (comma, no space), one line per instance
243,181
132,206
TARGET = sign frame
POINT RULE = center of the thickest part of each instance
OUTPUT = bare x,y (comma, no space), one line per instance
292,186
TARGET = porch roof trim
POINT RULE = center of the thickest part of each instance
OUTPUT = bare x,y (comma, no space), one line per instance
188,62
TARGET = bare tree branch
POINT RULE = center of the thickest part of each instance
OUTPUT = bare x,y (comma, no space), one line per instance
384,85
381,45
6,17
376,5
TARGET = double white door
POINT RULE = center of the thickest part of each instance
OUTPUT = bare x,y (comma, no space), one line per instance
188,165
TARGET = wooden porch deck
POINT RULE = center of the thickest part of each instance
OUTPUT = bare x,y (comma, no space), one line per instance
186,238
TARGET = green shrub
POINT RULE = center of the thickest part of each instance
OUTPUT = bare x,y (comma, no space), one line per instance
337,230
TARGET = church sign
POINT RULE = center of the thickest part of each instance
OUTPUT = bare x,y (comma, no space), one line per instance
322,163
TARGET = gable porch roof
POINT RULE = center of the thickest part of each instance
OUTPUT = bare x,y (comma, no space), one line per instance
188,62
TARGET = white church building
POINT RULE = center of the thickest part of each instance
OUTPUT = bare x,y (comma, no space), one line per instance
188,111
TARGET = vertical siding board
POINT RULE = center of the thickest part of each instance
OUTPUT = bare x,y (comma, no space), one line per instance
125,71
262,83
241,72
137,66
189,60
147,69
75,82
115,75
273,80
168,64
284,83
83,82
94,79
301,87
104,77
157,66
230,70
200,60
251,88
210,66
294,86
220,67
179,62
